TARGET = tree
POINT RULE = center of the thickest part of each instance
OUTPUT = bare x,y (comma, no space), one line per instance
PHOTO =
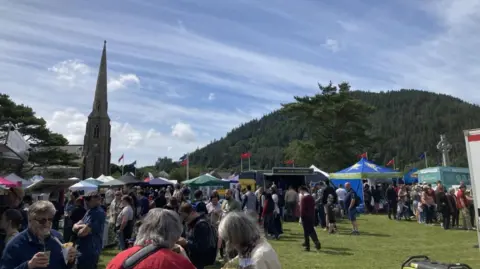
337,124
45,144
301,152
165,164
180,175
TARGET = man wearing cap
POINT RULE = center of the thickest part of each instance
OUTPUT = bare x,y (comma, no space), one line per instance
90,232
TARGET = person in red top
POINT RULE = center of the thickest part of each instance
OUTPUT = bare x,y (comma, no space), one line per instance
462,205
160,228
307,213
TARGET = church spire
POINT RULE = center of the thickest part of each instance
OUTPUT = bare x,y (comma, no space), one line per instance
100,104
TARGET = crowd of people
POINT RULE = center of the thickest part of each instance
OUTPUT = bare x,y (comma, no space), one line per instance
163,228
430,205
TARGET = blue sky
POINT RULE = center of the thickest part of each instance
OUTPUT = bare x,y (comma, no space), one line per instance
185,72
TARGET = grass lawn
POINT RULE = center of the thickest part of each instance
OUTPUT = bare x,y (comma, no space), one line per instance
382,244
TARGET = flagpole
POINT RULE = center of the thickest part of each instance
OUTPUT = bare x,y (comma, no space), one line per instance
241,163
123,164
188,167
293,164
426,162
393,163
249,163
366,155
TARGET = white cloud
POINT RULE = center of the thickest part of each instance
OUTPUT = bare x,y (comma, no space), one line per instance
211,96
123,81
184,132
126,138
332,44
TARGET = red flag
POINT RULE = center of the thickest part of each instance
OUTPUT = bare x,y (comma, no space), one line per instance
289,162
391,162
363,155
120,159
184,162
245,155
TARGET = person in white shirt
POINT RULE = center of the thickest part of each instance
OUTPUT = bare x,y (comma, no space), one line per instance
109,196
341,194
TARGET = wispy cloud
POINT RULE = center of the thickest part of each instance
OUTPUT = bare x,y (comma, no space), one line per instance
211,96
163,57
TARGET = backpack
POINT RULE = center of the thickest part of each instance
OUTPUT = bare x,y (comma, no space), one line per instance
211,251
139,256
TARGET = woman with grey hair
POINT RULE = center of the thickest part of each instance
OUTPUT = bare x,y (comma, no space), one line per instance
155,244
39,246
241,232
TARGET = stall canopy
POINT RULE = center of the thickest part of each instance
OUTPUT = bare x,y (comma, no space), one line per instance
83,186
9,184
92,181
365,169
411,176
207,181
129,179
14,178
113,183
159,181
104,178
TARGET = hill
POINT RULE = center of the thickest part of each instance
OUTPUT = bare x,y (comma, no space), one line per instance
405,124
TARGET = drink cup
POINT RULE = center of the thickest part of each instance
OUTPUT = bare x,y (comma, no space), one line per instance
47,254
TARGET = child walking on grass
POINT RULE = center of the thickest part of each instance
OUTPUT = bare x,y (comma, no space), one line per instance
331,207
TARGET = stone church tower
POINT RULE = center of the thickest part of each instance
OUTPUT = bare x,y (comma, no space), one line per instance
96,146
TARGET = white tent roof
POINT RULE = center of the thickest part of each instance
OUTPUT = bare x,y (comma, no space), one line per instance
104,178
83,186
317,170
14,178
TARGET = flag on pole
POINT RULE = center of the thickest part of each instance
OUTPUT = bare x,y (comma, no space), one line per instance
423,156
245,155
184,162
363,155
121,158
289,162
391,162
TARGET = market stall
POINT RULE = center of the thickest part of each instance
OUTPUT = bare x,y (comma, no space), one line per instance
362,170
207,183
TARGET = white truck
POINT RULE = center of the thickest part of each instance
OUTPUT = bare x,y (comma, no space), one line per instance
472,143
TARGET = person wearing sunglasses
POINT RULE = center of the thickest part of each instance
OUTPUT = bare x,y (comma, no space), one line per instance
89,232
39,246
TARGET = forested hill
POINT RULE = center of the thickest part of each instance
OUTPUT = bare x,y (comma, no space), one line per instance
405,123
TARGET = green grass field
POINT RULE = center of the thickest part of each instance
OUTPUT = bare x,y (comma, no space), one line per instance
382,244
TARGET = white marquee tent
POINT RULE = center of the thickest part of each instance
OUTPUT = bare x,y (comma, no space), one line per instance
14,178
83,186
104,178
317,170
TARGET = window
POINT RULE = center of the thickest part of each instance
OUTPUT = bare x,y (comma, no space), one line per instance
98,106
96,131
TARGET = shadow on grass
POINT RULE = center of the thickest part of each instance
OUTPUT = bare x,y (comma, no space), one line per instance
349,232
336,253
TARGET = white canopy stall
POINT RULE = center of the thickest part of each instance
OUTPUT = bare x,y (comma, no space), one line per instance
83,186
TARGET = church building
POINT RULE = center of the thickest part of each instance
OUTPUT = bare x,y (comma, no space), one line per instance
97,141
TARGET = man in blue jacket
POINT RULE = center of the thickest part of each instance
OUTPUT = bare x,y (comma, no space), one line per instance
38,246
90,232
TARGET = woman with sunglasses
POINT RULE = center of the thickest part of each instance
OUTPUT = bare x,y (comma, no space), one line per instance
39,246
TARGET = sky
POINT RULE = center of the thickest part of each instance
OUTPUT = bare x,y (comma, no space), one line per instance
183,73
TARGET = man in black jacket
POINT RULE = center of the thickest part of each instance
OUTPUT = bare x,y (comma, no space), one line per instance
201,242
329,190
392,198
